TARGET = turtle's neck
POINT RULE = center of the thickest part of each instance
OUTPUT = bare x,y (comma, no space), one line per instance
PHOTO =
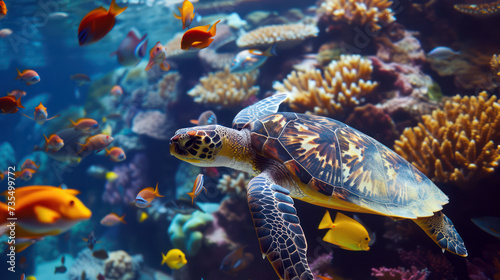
237,152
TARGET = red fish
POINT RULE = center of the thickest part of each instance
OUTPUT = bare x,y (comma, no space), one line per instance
40,115
85,125
147,196
186,14
30,77
97,23
116,90
53,143
116,154
112,219
9,105
198,37
132,49
158,55
96,143
3,9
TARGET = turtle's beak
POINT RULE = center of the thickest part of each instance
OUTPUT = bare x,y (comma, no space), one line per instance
177,150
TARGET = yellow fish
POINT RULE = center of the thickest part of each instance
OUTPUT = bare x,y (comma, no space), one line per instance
345,232
143,217
175,259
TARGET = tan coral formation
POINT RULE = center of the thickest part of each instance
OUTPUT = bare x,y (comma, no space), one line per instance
458,144
234,183
343,85
285,36
119,266
374,13
225,89
167,86
495,64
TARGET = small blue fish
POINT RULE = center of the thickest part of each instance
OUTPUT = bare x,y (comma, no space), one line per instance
489,224
442,53
197,188
205,118
248,60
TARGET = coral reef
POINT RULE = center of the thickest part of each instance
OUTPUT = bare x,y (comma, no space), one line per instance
343,86
285,36
225,89
322,264
399,273
374,13
459,143
168,86
153,124
88,263
436,264
186,231
402,47
131,178
471,70
184,172
234,183
121,266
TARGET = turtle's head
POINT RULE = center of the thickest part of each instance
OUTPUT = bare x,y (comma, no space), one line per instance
199,145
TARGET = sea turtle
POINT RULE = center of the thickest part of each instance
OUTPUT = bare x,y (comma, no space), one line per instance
320,161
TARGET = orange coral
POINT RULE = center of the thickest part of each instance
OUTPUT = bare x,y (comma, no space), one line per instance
360,12
343,85
459,143
495,64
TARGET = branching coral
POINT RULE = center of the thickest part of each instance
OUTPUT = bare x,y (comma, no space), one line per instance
285,36
458,144
225,89
234,183
167,86
399,273
343,85
373,13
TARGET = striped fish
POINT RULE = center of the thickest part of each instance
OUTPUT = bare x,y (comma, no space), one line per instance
197,188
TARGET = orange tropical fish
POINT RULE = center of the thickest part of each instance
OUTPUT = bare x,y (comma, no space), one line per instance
40,115
1,176
53,143
3,9
116,154
97,23
197,188
158,55
85,125
147,196
17,93
30,77
96,143
44,210
9,104
186,14
25,174
112,219
28,163
116,90
198,37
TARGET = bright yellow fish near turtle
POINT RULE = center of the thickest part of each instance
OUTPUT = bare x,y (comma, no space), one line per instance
345,232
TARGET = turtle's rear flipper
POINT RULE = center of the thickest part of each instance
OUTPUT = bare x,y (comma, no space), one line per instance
443,232
278,228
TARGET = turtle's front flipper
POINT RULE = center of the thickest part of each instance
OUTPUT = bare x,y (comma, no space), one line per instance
443,232
278,228
264,107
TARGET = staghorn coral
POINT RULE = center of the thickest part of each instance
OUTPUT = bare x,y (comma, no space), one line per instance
225,89
343,85
458,144
373,13
495,64
285,36
234,183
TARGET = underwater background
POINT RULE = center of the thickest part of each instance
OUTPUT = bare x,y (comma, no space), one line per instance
421,77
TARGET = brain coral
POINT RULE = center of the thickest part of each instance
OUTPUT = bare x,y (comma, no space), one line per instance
343,85
360,12
459,143
225,89
286,35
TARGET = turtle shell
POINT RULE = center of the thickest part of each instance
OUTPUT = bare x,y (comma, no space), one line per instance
332,161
